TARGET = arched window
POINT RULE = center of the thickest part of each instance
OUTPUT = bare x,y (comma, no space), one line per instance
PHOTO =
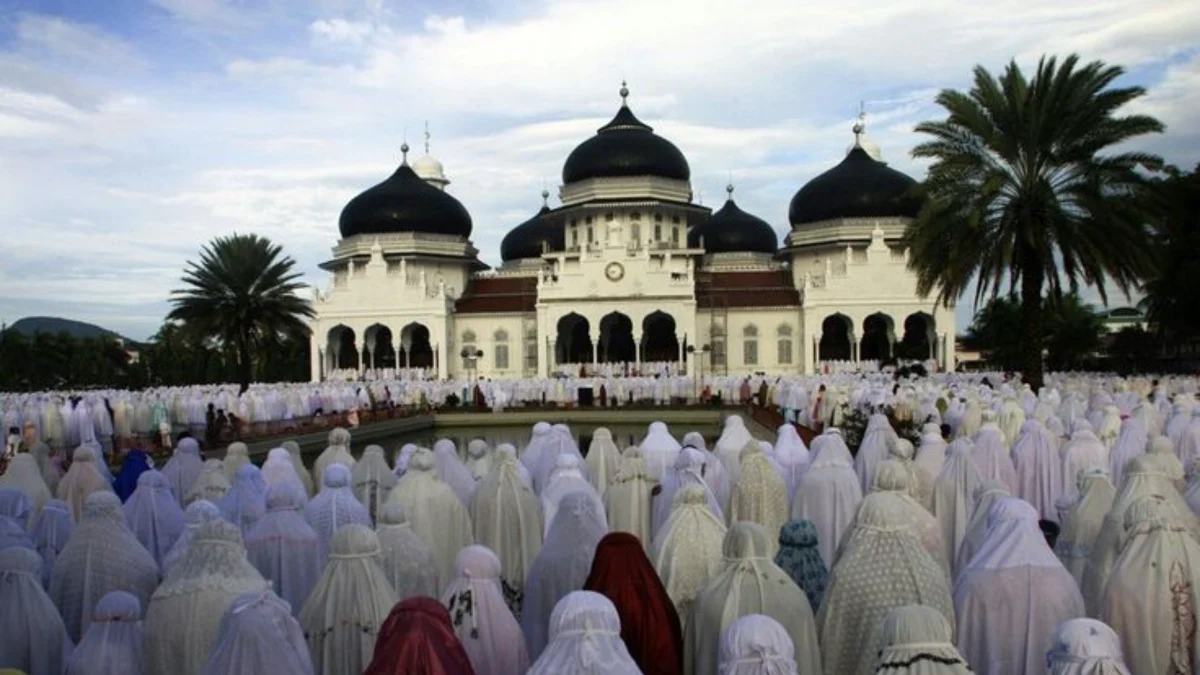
469,347
750,345
784,355
718,346
500,350
635,234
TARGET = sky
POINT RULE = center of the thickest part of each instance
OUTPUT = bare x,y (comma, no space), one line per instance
134,131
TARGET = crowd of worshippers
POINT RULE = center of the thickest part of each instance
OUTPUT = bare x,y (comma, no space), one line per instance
670,556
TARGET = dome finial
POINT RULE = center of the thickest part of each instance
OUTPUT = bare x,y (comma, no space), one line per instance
861,125
624,92
404,153
729,189
427,137
545,198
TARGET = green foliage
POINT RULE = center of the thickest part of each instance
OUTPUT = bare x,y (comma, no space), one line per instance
1020,197
996,330
1074,332
244,295
61,361
1172,289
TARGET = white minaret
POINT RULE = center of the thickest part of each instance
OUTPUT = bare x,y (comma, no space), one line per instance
429,169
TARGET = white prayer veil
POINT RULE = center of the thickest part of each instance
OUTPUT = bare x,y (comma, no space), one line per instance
284,548
728,448
342,617
402,456
16,506
81,480
760,495
1083,451
585,639
279,469
184,468
562,565
792,456
450,469
566,478
1038,468
757,645
407,562
153,514
434,511
337,452
1085,647
829,493
687,470
603,459
749,583
211,485
334,507
986,494
101,556
25,476
258,635
372,480
196,514
627,501
480,616
35,639
479,458
507,519
991,454
876,440
511,450
687,550
1084,520
1161,455
184,616
659,448
237,455
930,456
883,566
916,640
306,479
52,530
113,641
952,492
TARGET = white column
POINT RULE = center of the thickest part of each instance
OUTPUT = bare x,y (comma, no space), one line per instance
439,360
637,350
811,354
315,358
362,357
595,337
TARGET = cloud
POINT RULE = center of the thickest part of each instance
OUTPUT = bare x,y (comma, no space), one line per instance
74,43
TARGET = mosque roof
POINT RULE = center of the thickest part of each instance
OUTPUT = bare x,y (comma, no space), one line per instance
526,240
625,146
498,295
404,203
732,230
762,288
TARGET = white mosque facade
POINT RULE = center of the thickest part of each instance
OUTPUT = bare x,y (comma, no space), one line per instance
629,269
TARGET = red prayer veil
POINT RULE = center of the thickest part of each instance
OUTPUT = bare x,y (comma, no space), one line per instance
417,639
649,624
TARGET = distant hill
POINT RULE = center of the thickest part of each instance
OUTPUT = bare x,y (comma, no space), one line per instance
53,325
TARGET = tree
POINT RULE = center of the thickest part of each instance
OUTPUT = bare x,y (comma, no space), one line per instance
1074,332
243,293
1019,194
1171,290
995,329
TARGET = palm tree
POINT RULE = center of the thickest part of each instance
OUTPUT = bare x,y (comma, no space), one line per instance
1171,291
1019,194
244,293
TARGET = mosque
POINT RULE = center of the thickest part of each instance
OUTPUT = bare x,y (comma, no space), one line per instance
628,269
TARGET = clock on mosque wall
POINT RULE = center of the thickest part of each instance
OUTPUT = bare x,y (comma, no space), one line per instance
615,271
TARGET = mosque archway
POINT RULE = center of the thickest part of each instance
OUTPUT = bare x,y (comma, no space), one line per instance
416,351
616,339
381,353
835,338
342,348
878,338
920,332
659,342
574,343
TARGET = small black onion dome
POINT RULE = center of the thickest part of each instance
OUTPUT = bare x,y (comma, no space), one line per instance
732,230
858,187
404,203
526,239
626,146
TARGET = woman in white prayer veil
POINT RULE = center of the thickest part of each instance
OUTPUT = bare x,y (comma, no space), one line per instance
450,469
334,507
916,640
728,448
302,471
184,468
435,512
237,455
211,485
1142,479
688,470
1153,594
24,476
489,633
986,494
1038,465
102,555
531,455
792,456
714,471
153,515
1131,442
757,645
34,637
1012,594
558,441
561,566
373,480
749,583
1085,647
196,514
687,549
829,492
511,450
1084,519
760,495
566,478
81,480
342,617
184,615
952,497
991,453
930,455
628,502
284,548
891,483
585,639
52,528
337,452
603,459
407,561
876,441
246,501
660,449
258,635
1082,452
16,506
883,566
1161,454
479,458
402,456
507,519
113,641
50,472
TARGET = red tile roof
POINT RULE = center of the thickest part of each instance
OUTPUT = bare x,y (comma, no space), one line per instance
498,294
768,288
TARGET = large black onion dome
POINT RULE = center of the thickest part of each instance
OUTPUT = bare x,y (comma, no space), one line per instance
404,203
858,187
526,239
732,230
626,146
